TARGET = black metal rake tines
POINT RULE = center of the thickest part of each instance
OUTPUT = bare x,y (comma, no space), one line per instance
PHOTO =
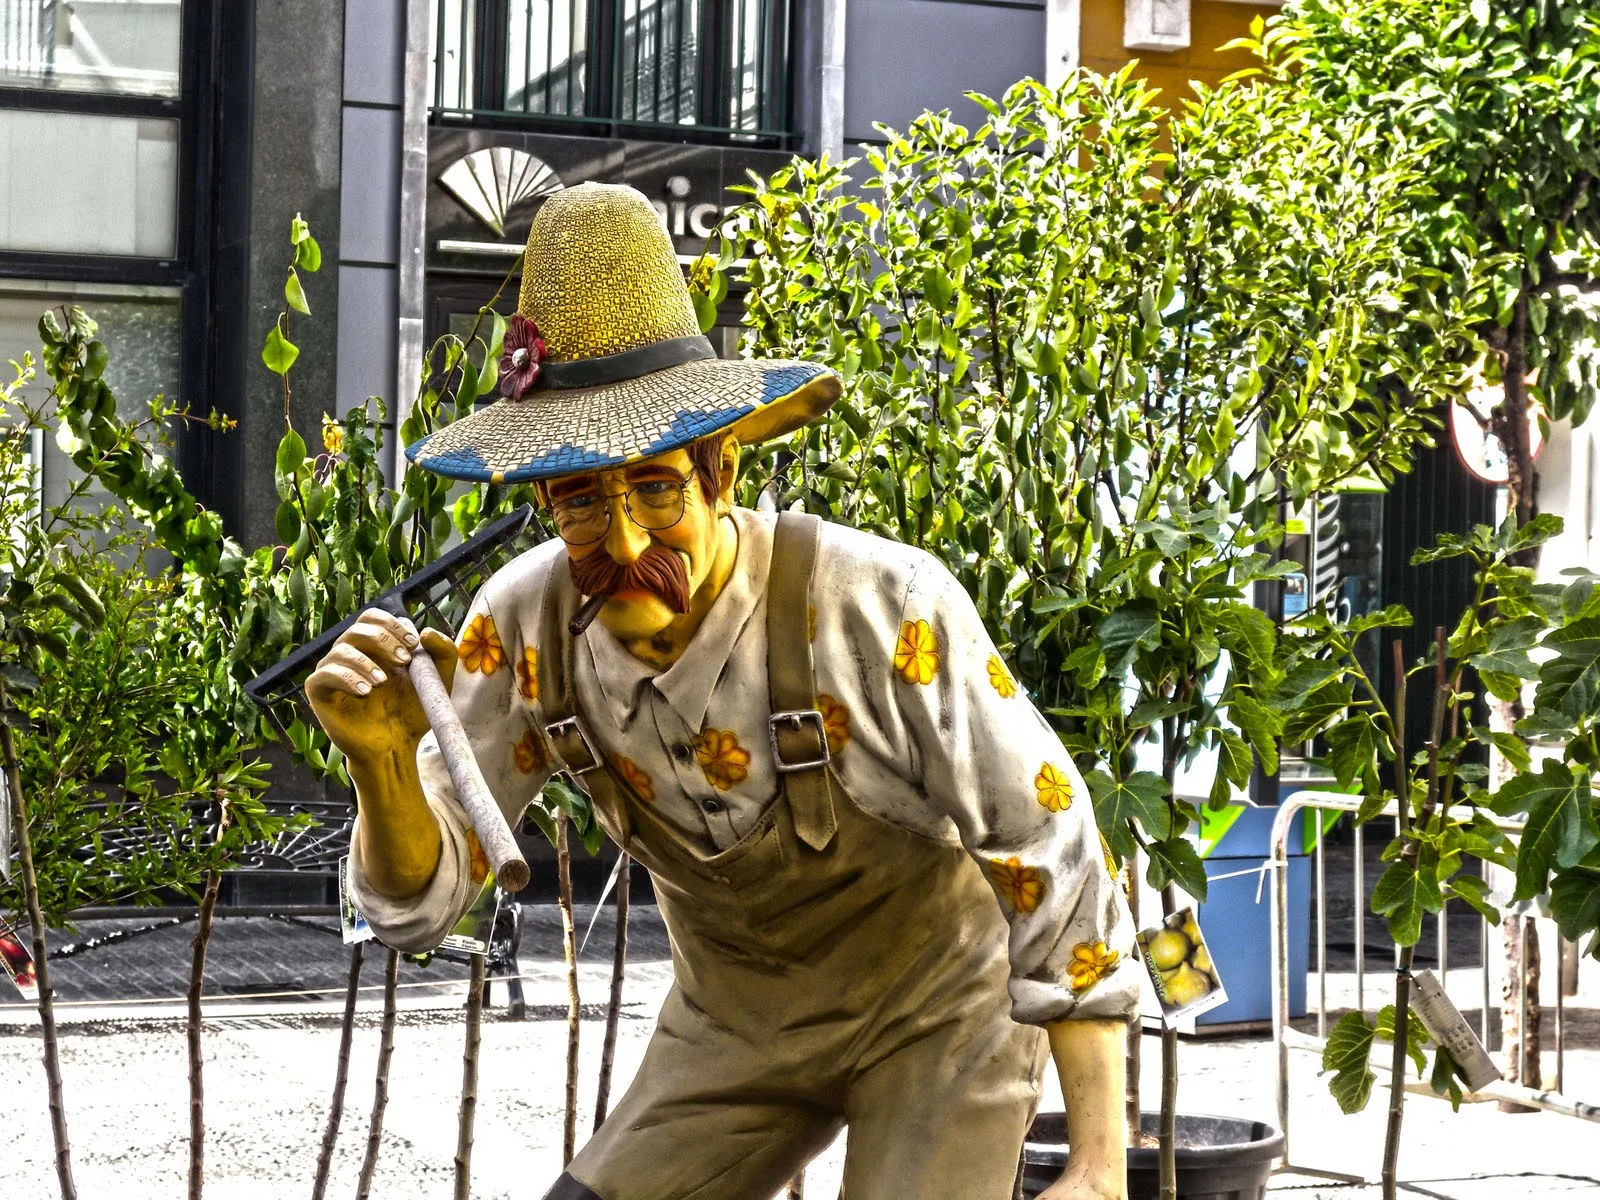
437,597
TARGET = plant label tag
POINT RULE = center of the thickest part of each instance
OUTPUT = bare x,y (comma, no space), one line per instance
353,926
1179,962
1446,1026
474,931
18,964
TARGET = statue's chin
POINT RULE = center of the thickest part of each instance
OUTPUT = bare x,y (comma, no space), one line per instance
630,616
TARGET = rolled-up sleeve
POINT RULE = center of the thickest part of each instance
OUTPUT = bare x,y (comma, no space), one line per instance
998,771
495,695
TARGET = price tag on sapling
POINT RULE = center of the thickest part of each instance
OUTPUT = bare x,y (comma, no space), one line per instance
353,926
18,964
1179,963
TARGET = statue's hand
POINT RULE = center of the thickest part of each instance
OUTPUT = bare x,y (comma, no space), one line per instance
361,691
1083,1181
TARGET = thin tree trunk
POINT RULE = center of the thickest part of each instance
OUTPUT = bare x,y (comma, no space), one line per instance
41,961
1409,854
197,978
1169,1081
569,946
1130,1104
380,1087
619,963
469,1080
1397,1073
1519,1039
341,1075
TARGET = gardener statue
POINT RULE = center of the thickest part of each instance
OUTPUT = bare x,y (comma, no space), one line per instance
802,731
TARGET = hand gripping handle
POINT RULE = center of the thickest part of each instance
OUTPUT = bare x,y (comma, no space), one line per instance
510,868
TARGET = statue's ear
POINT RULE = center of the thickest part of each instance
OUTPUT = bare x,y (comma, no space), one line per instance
727,471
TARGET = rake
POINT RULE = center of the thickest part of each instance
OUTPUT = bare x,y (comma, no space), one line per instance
436,596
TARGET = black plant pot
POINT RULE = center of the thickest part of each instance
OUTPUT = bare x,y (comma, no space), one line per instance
1219,1158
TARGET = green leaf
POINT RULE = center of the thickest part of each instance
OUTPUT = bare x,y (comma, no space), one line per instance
1176,859
279,352
295,294
94,361
1353,748
1575,901
1416,1035
1560,826
1349,1044
1125,629
705,312
308,255
1251,629
1141,797
1404,894
291,454
287,523
1443,1078
1261,725
1570,682
937,287
1509,643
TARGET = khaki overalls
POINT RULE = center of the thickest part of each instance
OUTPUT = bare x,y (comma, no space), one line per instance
830,969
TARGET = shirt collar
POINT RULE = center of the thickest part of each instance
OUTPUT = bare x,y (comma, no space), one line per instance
687,685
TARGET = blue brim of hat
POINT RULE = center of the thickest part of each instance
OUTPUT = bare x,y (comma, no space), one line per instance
553,432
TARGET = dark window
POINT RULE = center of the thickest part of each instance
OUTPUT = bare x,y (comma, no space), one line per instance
709,67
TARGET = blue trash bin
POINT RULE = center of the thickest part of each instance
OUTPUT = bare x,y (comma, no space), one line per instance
1236,917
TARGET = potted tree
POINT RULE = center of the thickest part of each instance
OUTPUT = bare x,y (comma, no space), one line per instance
1085,371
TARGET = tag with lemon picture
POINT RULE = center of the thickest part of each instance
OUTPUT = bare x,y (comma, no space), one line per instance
1180,967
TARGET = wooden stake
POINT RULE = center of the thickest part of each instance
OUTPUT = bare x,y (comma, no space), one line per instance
619,961
197,976
469,1080
341,1076
41,961
569,945
380,1088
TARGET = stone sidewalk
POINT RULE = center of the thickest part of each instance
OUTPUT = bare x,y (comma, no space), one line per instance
269,1068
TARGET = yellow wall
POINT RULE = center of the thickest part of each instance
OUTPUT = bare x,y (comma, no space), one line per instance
1211,23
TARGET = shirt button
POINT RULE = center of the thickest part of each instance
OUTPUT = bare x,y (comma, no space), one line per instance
683,752
711,805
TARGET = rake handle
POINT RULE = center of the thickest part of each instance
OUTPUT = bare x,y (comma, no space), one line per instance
510,868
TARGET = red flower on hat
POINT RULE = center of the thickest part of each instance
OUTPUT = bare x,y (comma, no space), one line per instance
522,352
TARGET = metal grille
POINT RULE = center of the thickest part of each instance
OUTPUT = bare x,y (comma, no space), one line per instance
29,30
713,66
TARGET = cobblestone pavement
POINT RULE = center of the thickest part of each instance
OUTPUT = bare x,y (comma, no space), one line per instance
269,1069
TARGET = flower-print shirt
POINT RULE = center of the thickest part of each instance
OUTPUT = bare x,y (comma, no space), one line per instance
927,728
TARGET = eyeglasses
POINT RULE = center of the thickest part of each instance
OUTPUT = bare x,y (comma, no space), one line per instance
655,504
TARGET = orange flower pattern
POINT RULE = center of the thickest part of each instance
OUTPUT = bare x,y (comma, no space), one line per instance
1019,885
811,623
1111,862
916,652
528,674
636,777
1053,788
999,678
722,759
531,753
1091,962
480,648
478,861
835,722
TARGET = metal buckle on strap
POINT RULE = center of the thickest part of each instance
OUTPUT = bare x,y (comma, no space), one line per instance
566,728
796,719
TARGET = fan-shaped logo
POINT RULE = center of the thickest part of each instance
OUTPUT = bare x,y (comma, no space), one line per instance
492,181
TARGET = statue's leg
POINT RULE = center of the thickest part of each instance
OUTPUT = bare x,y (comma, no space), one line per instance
707,1117
945,1115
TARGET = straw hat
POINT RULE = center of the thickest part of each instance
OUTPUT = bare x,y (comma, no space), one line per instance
605,362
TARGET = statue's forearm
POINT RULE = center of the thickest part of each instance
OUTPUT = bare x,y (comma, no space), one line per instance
398,834
1090,1059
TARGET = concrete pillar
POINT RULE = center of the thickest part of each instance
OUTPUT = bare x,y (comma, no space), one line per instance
413,215
1062,29
829,128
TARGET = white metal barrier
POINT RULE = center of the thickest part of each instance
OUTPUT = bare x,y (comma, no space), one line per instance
1287,1038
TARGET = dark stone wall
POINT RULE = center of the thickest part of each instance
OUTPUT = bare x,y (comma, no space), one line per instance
294,168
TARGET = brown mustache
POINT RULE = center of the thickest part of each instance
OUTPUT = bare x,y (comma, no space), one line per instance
658,571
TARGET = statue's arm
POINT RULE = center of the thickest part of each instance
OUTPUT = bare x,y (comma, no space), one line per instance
1090,1060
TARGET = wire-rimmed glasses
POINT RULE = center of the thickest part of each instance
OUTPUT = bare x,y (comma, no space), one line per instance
655,504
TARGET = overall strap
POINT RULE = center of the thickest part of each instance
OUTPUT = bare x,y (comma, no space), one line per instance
564,728
799,739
